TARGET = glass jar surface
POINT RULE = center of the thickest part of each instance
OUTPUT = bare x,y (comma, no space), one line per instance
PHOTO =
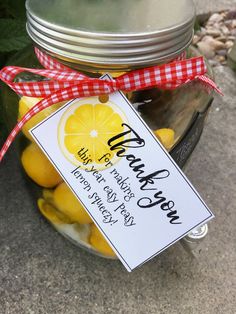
176,117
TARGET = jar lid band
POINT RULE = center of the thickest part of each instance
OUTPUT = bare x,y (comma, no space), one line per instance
124,49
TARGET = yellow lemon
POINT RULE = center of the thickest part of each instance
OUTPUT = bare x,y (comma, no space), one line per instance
166,137
51,213
85,129
69,205
48,196
27,103
99,243
38,167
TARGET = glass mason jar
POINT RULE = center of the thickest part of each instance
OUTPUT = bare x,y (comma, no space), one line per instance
97,38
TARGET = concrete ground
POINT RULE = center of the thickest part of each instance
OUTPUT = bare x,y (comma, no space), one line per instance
204,6
42,273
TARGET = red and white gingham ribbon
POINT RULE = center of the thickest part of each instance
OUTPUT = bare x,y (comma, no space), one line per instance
66,84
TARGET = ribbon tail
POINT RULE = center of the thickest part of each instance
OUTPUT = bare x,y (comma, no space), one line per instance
33,111
43,104
210,84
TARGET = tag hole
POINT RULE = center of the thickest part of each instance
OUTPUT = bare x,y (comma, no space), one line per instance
103,98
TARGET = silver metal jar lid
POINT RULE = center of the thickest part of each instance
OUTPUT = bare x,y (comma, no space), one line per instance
120,33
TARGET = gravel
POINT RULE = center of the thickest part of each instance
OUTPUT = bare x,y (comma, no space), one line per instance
216,36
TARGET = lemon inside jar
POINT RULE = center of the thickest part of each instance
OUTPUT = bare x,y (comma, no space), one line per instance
68,204
99,243
38,167
25,104
166,137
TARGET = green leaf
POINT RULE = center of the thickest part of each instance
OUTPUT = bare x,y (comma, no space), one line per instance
13,35
12,8
197,25
12,44
12,28
17,8
232,57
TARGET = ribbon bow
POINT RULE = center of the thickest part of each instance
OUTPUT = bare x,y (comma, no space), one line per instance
66,84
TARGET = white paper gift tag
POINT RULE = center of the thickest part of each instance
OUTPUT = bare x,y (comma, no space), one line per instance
133,190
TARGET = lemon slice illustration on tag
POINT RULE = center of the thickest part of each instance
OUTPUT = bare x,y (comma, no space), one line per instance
84,130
